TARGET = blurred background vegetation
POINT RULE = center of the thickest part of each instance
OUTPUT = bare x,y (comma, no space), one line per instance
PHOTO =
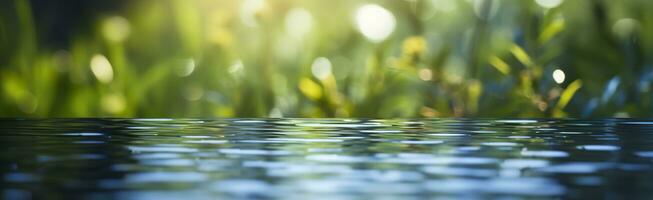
335,58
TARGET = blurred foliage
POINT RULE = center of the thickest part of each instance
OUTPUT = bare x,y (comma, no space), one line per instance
339,58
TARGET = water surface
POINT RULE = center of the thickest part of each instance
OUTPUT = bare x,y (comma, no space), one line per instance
326,158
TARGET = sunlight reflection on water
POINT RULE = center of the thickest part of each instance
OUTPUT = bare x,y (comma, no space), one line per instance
326,158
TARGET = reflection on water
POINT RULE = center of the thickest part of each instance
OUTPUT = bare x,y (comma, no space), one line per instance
325,158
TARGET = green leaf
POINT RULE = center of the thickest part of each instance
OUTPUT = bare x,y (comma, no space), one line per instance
565,97
551,30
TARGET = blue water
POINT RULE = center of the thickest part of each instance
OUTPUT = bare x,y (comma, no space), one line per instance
326,158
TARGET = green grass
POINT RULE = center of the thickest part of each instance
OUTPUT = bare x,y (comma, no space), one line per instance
486,58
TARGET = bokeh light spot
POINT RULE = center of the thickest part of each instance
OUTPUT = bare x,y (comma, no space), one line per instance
624,27
425,74
375,22
299,22
187,68
115,29
321,68
548,3
101,68
194,92
113,103
237,68
249,11
558,76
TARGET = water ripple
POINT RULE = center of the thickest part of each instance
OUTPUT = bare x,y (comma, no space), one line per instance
327,158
